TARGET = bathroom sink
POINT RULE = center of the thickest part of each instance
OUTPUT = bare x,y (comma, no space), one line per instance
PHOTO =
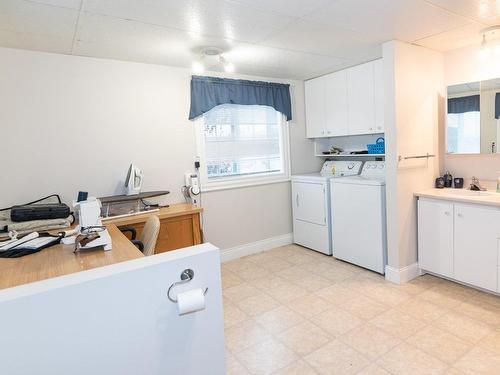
471,193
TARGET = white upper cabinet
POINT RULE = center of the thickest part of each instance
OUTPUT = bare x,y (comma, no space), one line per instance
361,99
315,107
336,104
378,71
347,102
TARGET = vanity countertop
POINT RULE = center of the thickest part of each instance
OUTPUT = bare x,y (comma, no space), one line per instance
488,197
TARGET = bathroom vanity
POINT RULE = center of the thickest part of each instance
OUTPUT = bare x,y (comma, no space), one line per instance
458,236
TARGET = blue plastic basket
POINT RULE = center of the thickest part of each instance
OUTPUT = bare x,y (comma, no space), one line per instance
378,147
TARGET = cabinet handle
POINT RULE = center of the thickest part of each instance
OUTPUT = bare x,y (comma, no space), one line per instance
297,200
447,213
379,127
328,131
460,215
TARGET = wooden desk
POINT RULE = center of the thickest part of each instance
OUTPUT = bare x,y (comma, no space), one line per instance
60,260
179,226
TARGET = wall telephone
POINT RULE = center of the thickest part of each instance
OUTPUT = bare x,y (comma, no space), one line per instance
192,183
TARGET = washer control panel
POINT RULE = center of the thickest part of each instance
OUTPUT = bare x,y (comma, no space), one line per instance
341,168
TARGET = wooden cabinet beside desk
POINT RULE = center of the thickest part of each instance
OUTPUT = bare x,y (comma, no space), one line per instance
179,226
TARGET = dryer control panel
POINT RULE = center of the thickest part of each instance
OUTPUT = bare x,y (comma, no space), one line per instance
374,169
341,168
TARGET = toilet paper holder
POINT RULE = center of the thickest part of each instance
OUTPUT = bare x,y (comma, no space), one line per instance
186,276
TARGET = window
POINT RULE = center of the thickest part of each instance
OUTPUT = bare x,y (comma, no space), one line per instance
464,132
242,145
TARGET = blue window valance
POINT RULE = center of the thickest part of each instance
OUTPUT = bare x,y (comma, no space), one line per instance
497,105
209,92
463,104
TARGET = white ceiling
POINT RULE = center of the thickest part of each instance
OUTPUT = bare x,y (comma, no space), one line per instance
277,38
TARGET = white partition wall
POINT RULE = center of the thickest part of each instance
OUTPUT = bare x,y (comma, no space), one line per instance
116,320
414,101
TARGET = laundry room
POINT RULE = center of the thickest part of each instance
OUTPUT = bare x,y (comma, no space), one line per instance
250,187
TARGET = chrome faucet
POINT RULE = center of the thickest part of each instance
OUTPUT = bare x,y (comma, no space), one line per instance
475,185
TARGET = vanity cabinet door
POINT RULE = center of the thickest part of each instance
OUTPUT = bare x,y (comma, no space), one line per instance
435,237
315,90
476,245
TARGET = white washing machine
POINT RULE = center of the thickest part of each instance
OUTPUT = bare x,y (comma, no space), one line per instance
358,215
311,204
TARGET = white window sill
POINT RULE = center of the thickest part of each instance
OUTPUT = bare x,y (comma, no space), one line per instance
242,184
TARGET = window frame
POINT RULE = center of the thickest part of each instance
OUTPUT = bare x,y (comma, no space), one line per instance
232,182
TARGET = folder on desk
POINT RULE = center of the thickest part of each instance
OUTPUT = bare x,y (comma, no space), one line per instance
29,247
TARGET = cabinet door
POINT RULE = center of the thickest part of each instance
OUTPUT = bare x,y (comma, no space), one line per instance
361,99
379,96
476,245
336,104
315,107
309,202
435,237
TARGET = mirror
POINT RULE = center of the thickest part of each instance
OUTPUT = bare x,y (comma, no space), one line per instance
473,124
490,113
463,119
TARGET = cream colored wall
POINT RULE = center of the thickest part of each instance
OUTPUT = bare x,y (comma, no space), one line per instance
74,123
414,100
465,65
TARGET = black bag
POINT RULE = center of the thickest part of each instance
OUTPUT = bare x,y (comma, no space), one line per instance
39,212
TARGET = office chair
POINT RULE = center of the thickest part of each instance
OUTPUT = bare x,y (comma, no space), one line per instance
149,235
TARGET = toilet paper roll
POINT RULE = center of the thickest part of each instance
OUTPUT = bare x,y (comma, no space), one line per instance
190,301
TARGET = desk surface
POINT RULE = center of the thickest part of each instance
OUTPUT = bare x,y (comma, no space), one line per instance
60,260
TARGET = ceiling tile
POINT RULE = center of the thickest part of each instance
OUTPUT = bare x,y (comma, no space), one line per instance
217,18
283,62
294,8
388,19
72,4
27,17
453,39
480,10
109,37
36,42
105,36
325,40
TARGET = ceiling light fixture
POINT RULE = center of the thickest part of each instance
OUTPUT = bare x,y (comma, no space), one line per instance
212,57
489,41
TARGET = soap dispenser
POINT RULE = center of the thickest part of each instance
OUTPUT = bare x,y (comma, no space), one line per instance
448,179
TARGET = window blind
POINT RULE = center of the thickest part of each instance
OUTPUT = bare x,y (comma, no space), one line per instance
242,140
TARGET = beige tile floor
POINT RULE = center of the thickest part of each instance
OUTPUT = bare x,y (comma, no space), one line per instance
294,311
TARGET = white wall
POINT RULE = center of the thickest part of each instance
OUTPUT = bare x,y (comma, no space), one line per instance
84,323
464,65
73,123
414,102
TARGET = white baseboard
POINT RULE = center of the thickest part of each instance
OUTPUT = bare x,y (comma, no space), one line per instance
255,247
402,275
